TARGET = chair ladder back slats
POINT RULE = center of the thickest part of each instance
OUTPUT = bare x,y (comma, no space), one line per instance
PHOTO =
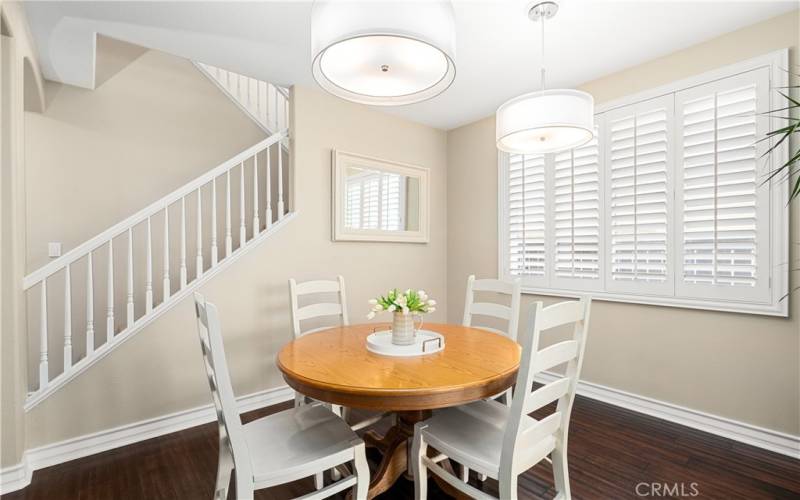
543,428
508,313
490,329
490,309
563,390
317,286
492,285
561,314
317,309
555,355
546,394
219,381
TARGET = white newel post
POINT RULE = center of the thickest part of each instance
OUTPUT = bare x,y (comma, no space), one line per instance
43,370
165,265
268,213
67,318
110,293
183,242
199,258
214,249
129,308
148,285
256,221
280,181
228,235
242,223
89,305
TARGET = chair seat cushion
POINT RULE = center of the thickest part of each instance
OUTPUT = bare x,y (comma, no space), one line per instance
286,445
472,434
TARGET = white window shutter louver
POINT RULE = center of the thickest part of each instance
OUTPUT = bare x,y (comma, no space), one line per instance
526,216
724,206
638,159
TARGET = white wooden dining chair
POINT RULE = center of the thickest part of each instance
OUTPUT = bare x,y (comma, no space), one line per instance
506,313
316,311
510,290
503,442
279,448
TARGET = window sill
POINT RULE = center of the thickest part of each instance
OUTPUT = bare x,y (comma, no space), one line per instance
780,309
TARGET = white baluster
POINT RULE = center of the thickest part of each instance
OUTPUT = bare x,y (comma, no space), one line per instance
247,79
242,223
280,181
110,293
268,214
166,255
228,237
258,100
67,318
44,379
286,112
148,285
214,249
183,243
238,87
256,222
199,259
89,306
279,112
130,310
274,115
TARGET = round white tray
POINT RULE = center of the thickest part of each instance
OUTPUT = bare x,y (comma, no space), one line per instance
426,342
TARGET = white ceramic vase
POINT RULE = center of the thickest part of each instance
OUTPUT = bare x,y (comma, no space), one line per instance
402,329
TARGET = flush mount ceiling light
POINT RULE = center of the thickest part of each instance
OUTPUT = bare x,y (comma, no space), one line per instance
383,53
548,120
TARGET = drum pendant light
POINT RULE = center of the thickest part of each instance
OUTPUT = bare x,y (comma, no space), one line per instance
546,121
383,53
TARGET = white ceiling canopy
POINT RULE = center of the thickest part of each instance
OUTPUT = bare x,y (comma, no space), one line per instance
496,49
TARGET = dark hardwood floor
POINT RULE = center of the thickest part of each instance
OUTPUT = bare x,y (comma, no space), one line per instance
612,452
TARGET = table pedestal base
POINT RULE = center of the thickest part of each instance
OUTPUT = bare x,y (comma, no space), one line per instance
395,447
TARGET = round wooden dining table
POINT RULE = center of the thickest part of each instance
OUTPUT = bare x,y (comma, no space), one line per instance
335,366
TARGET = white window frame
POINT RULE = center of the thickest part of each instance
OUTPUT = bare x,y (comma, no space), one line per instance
779,264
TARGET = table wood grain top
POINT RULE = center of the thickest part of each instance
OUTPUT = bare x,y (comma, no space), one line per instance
334,365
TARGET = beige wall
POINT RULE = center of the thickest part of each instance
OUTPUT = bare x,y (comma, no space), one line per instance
159,370
738,366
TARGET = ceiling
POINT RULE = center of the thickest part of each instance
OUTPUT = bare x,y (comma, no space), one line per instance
497,53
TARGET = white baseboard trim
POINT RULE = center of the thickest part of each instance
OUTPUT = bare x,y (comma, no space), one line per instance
15,477
18,476
779,442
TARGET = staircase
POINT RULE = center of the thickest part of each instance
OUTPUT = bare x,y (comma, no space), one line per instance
84,314
265,103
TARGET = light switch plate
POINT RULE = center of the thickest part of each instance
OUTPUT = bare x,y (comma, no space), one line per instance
54,249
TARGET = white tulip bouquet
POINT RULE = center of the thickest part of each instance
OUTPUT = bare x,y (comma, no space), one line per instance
408,302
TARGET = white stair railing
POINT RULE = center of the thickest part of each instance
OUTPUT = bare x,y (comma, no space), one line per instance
265,103
265,160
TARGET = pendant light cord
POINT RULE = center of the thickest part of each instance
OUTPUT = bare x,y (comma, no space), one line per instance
544,17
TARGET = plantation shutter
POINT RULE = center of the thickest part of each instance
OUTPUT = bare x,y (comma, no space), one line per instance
639,187
724,210
576,217
391,213
526,217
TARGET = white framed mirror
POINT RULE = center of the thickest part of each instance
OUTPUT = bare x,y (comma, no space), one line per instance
379,200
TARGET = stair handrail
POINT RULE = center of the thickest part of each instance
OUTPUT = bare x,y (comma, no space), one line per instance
101,239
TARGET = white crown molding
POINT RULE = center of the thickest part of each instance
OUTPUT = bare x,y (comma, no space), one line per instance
19,476
760,437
